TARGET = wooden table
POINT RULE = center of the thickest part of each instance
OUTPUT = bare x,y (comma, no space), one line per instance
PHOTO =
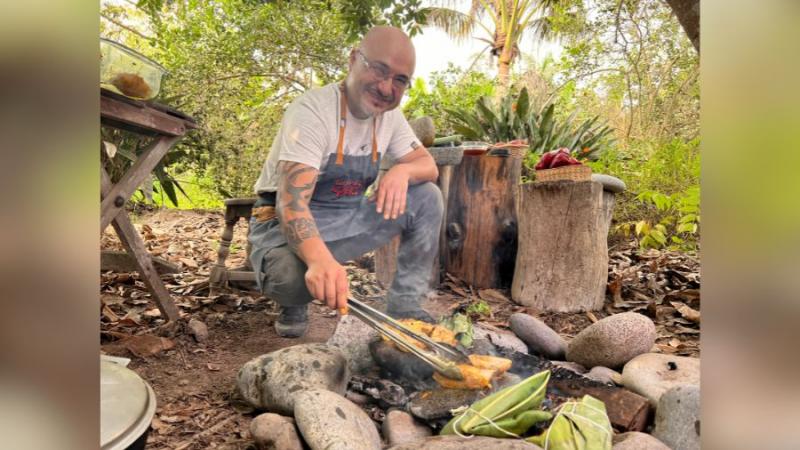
166,126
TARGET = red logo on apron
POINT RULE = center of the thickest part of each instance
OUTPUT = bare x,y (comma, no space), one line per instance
347,188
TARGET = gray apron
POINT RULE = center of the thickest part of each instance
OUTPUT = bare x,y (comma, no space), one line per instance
338,201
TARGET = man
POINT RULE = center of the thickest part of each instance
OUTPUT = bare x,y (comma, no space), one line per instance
312,214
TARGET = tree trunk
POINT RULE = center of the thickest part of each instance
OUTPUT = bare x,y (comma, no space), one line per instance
562,259
481,221
504,67
688,13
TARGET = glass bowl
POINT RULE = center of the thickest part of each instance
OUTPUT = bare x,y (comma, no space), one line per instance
127,72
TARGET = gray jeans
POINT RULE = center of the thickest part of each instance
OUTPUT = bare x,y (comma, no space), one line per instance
283,275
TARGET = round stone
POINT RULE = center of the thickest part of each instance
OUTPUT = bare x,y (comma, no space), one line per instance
275,432
604,375
328,420
424,129
652,374
400,427
502,339
612,341
678,418
472,443
352,337
539,338
271,381
635,440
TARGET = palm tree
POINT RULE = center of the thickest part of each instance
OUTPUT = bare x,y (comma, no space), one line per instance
510,20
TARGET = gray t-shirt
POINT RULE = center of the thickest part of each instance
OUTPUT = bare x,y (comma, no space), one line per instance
309,133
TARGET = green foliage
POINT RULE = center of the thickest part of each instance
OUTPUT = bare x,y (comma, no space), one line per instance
360,15
516,117
479,308
661,206
449,89
235,65
678,222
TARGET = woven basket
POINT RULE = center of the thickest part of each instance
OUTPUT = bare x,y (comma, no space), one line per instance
512,150
575,173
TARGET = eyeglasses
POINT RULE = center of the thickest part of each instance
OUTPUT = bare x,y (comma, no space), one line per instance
382,72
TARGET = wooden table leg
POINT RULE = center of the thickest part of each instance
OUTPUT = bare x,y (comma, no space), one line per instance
114,200
133,244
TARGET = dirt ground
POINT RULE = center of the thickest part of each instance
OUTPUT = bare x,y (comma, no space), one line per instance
198,406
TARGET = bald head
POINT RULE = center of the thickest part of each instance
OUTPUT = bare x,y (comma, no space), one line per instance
380,71
391,45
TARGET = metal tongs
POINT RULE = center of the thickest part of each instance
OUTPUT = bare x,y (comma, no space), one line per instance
441,357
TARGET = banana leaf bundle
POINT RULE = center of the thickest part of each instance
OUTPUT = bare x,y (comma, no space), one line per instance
579,425
506,413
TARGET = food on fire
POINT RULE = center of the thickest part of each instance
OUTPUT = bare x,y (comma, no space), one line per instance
437,333
478,374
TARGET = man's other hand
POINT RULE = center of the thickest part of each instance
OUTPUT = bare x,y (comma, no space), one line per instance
392,191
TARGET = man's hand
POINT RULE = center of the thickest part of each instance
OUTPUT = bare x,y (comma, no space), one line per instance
327,281
392,191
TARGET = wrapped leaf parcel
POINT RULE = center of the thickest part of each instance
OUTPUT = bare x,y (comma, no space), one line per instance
579,425
507,413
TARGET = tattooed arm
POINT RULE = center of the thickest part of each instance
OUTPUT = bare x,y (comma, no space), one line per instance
326,279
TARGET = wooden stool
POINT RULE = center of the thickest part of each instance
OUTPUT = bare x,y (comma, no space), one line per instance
235,209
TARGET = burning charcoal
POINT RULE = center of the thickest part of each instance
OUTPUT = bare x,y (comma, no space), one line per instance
391,394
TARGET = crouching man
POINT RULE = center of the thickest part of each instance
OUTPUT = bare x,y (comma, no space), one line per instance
312,213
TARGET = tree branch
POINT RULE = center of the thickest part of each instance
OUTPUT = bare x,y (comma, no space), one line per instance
125,27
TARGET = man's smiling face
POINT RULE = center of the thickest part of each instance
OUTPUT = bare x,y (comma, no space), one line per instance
380,70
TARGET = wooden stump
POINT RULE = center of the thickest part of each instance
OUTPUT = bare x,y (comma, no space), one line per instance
562,259
481,222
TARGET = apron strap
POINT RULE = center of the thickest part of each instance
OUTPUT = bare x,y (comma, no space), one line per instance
343,127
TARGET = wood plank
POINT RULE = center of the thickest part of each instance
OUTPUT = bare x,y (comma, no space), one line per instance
133,244
142,117
114,201
123,262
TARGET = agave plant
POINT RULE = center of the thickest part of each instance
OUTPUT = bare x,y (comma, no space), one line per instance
517,118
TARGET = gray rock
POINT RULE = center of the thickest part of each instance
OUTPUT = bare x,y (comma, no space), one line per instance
473,443
438,403
678,418
574,367
274,432
604,375
498,337
271,381
400,427
538,336
352,337
198,329
610,184
424,129
635,440
483,347
329,421
612,341
652,374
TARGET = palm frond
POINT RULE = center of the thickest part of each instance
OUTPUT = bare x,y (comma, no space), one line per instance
456,24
